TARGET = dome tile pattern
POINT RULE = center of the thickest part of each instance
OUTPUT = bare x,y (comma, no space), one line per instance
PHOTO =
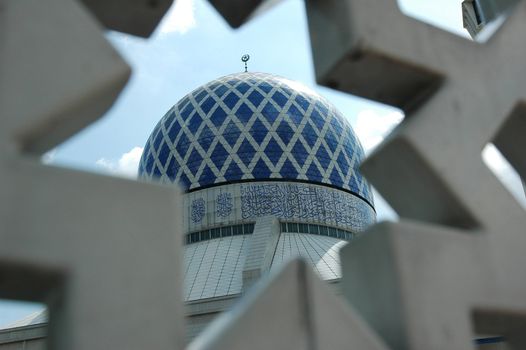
254,126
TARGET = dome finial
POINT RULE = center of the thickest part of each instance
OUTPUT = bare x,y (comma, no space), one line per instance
245,59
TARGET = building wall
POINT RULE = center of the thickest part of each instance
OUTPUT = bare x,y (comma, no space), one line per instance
245,202
33,344
32,337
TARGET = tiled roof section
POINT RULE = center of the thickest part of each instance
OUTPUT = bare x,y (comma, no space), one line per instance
37,317
214,268
321,252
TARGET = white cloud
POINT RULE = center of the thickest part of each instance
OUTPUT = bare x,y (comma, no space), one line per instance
126,165
180,18
505,172
372,127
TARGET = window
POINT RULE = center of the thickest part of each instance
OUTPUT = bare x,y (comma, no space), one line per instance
226,231
303,228
292,226
216,232
313,229
237,230
205,235
248,229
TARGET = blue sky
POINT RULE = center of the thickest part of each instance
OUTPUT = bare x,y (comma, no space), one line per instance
179,58
194,45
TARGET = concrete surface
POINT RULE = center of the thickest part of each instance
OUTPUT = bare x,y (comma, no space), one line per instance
292,309
458,95
238,12
136,17
92,248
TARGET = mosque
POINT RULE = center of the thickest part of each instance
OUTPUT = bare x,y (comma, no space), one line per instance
269,171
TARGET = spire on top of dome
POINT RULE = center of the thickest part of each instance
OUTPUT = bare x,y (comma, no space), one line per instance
245,59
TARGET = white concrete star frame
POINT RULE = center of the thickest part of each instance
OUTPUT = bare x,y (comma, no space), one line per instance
101,252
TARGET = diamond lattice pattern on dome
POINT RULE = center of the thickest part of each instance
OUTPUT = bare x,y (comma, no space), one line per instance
254,126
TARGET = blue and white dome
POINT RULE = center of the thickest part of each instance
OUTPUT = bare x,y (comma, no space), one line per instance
254,126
